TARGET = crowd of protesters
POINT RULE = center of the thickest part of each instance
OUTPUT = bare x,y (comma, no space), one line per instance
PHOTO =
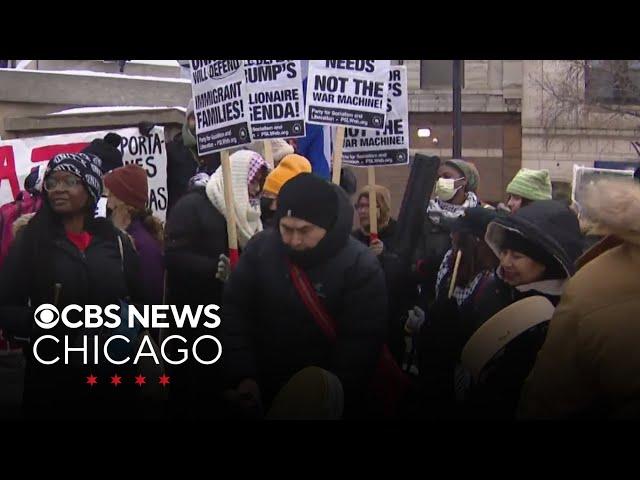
501,313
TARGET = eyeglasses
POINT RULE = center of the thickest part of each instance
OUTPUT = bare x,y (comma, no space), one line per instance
69,182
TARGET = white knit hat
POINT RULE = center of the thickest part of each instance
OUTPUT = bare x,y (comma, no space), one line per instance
280,149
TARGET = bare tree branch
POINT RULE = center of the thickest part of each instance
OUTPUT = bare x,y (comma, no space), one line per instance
581,88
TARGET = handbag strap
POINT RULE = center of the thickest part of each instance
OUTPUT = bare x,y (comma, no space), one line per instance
313,303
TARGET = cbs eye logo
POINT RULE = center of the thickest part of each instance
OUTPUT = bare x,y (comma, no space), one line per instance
46,316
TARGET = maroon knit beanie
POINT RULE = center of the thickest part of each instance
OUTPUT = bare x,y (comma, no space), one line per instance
129,184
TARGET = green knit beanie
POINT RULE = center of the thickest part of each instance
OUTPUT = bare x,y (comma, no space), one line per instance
531,184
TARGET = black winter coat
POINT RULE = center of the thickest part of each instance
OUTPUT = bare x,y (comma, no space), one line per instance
497,393
196,235
400,288
269,334
182,164
432,247
442,339
554,227
98,276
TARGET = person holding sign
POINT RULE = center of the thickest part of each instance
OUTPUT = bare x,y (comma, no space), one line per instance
466,270
386,224
197,263
397,280
183,161
196,232
454,192
308,264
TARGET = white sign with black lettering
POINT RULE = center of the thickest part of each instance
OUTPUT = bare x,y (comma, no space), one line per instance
275,98
150,153
221,102
364,148
349,93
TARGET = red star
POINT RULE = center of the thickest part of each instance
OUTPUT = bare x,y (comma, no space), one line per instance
116,380
140,380
92,380
164,380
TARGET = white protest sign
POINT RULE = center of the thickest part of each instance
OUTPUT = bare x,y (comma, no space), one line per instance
363,148
349,93
150,153
221,104
275,98
18,157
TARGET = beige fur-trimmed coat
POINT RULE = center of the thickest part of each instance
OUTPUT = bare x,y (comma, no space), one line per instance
589,364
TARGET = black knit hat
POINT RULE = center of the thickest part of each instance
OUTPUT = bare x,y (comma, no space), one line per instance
309,197
107,150
83,165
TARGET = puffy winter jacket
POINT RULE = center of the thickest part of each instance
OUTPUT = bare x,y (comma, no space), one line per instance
269,334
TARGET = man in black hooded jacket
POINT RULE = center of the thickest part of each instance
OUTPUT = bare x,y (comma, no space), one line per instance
269,333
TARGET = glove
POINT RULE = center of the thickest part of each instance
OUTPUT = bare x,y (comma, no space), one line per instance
376,247
414,321
224,268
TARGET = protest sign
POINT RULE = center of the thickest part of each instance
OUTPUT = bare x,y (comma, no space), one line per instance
221,104
389,146
275,98
349,93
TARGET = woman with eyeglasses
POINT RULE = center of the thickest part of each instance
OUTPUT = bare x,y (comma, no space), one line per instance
398,281
386,224
65,256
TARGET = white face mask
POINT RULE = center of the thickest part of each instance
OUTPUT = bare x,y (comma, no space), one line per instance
445,188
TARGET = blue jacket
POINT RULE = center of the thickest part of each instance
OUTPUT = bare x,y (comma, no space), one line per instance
316,145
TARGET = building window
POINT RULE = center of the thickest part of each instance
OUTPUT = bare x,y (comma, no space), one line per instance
437,74
612,81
